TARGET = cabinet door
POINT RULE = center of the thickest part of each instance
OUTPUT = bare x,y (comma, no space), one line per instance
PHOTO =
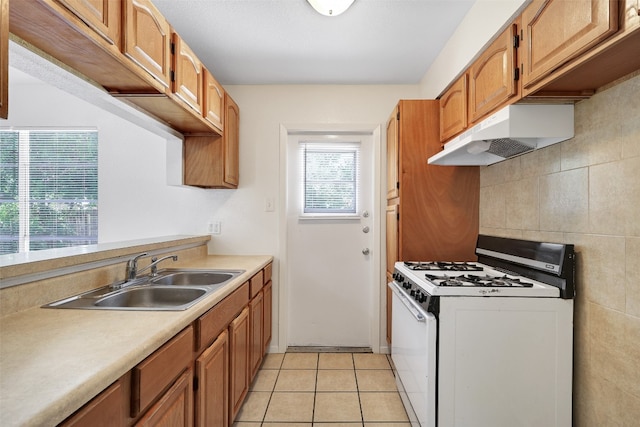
105,410
213,100
239,362
492,78
175,408
188,77
212,397
231,142
104,16
557,31
256,319
4,59
147,39
393,180
393,214
453,109
267,324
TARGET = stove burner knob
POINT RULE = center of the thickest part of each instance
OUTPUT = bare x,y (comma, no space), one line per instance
422,297
413,293
406,285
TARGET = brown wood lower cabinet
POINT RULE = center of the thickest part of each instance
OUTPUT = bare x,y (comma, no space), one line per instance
175,408
239,362
212,371
199,377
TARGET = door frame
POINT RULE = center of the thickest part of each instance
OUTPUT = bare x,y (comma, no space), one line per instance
374,130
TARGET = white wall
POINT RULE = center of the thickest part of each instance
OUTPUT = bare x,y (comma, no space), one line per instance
477,29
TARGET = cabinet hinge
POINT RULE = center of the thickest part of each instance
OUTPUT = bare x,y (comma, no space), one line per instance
398,185
516,74
195,383
398,216
173,48
516,41
172,76
398,116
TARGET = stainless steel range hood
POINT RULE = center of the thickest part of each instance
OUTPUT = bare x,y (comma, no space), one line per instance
514,130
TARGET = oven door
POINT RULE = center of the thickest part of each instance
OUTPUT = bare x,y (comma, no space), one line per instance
413,351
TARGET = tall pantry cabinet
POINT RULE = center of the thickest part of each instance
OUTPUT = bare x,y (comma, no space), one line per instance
432,211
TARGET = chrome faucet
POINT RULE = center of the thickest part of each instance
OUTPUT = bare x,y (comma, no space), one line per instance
132,267
154,264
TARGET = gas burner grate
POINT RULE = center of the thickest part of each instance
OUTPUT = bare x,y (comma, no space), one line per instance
442,266
478,281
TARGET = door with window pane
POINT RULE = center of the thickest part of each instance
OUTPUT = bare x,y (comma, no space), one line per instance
329,229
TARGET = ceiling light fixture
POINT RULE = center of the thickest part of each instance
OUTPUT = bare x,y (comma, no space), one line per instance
330,7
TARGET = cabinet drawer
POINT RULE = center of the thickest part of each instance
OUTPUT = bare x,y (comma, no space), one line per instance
105,410
257,281
268,272
153,375
214,321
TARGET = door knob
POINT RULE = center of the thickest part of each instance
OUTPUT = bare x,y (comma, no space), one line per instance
365,251
365,229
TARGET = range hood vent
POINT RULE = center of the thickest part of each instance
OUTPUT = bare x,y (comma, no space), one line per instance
514,130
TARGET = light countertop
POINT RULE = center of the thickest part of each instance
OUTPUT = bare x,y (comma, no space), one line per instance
53,361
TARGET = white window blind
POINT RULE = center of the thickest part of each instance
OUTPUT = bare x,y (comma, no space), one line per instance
48,189
330,175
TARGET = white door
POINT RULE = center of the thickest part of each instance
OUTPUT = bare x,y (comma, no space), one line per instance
330,278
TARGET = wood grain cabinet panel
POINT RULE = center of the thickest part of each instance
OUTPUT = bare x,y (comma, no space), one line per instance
104,16
231,143
256,325
557,31
393,181
239,362
159,370
4,59
212,161
212,373
492,77
213,100
187,75
453,109
105,410
175,408
268,316
147,39
392,236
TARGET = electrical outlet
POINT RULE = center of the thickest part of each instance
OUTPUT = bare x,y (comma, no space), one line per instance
216,229
213,227
268,204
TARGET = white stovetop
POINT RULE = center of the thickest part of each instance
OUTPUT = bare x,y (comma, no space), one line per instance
418,277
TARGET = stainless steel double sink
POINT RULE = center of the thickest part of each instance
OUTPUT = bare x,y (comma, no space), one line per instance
172,289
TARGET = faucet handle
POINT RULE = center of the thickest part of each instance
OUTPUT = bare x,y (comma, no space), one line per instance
132,266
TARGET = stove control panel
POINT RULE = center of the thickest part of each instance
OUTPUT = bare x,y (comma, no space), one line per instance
413,291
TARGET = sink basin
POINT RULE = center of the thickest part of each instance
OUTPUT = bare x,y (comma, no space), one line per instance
184,277
153,297
172,289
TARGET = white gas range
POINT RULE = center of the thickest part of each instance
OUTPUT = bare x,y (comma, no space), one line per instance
488,343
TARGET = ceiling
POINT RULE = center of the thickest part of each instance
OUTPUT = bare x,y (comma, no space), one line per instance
287,42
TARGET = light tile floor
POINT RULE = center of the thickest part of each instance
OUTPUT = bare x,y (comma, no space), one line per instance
323,390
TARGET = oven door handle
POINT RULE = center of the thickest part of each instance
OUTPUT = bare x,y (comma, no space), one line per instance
407,303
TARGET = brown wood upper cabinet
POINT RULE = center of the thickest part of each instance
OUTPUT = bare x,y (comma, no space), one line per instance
557,31
104,16
147,39
4,58
493,76
393,180
188,76
213,100
453,109
212,161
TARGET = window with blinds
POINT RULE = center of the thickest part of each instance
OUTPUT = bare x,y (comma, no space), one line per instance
48,189
330,178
